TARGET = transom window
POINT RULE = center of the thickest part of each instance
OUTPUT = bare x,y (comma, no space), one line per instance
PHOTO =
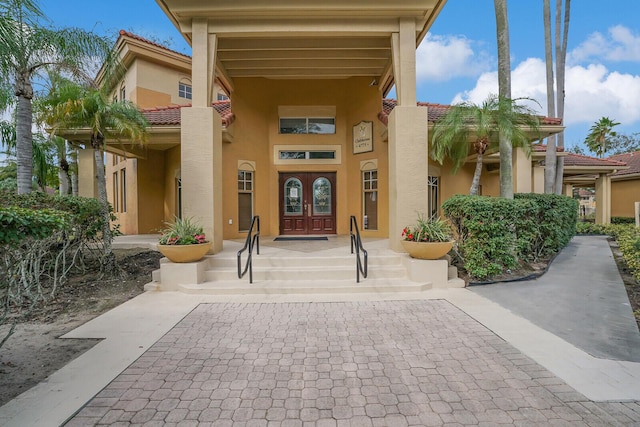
184,90
307,155
307,125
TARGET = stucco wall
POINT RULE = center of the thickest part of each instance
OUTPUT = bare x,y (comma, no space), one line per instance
255,103
171,173
158,85
623,196
150,176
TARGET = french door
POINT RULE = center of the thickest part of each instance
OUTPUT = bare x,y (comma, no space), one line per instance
308,203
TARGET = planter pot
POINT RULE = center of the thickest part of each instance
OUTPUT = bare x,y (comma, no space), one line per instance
185,253
427,250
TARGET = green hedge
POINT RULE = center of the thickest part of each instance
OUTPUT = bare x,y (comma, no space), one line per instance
554,218
622,220
496,234
19,223
85,212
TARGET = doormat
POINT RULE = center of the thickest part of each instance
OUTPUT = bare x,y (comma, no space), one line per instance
299,238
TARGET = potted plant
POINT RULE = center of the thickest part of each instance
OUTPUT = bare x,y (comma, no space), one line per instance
430,238
183,241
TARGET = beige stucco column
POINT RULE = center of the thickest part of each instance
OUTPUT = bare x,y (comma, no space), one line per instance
568,190
201,142
603,199
87,179
408,169
521,171
408,138
537,174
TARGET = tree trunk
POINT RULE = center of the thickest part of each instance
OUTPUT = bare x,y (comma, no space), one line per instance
108,261
504,89
551,154
24,137
561,57
475,183
73,167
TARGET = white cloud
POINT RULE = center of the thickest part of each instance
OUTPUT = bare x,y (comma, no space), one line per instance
619,44
592,92
441,58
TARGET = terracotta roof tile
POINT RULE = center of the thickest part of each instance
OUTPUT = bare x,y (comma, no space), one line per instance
572,159
147,41
542,148
631,159
438,110
170,115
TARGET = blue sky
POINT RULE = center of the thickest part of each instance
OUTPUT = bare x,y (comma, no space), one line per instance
457,60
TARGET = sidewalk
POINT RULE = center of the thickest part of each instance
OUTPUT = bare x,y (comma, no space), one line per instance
418,359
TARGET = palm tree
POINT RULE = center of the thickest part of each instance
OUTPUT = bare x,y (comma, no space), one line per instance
480,124
40,153
504,91
26,48
72,106
599,136
554,166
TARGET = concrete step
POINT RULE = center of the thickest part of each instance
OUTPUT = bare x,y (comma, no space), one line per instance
298,273
243,287
264,261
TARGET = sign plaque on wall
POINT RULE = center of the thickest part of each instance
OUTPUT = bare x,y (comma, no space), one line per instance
363,137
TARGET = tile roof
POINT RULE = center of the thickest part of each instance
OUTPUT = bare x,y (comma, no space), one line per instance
572,159
542,148
631,159
152,43
438,110
166,116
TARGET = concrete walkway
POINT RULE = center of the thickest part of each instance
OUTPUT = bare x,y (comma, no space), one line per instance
581,299
432,358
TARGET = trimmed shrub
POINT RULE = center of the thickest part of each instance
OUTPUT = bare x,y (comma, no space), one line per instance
17,224
85,211
496,234
554,223
623,220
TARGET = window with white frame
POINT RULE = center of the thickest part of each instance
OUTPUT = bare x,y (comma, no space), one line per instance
184,90
370,199
433,194
245,199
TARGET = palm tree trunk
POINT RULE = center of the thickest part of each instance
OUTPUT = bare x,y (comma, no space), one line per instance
108,261
24,149
504,90
73,167
475,183
550,155
561,57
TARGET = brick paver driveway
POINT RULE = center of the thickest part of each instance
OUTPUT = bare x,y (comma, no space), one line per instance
398,363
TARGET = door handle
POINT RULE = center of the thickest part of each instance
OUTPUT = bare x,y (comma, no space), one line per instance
309,210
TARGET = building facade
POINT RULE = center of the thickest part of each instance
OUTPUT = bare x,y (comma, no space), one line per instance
306,138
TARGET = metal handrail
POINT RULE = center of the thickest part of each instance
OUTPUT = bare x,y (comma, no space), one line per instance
253,240
361,267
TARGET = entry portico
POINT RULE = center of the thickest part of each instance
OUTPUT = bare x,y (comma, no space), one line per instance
295,59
